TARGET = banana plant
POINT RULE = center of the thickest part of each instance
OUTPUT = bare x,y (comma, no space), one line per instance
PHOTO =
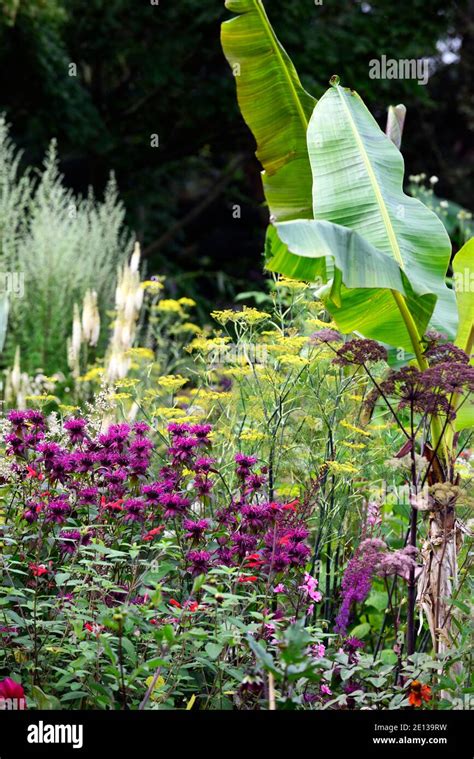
357,175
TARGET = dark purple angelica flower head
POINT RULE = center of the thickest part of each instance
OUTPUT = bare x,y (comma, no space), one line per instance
325,336
200,562
69,541
58,510
203,485
446,353
399,562
360,352
195,530
141,428
174,505
357,580
243,543
244,464
76,428
204,464
134,510
88,496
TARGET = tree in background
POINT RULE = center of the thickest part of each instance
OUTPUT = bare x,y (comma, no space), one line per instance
112,79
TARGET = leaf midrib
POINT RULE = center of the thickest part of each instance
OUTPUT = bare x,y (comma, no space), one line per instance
266,24
373,180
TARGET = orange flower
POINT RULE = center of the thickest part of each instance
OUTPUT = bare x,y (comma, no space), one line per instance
418,693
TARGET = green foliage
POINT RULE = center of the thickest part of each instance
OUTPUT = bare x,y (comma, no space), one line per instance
61,245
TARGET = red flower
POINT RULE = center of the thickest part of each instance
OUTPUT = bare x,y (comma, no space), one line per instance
173,602
418,693
292,506
193,606
252,578
11,690
93,627
38,569
254,561
153,533
34,474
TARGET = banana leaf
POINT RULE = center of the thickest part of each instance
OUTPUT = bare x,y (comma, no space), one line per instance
358,185
275,106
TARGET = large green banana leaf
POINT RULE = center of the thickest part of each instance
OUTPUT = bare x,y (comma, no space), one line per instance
357,184
463,266
275,106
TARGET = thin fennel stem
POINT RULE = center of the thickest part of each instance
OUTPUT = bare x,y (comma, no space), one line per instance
422,362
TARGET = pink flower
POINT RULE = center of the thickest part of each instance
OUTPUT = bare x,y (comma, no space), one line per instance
13,691
309,588
318,650
326,690
280,588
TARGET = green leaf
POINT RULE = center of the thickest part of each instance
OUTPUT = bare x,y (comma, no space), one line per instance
43,701
358,185
275,106
463,266
361,631
378,599
262,655
213,650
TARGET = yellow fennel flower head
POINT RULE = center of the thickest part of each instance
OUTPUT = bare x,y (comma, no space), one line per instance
40,398
189,327
354,446
355,429
171,382
68,409
288,491
118,396
314,323
167,412
126,382
93,374
153,286
357,398
252,436
338,468
141,354
188,302
246,316
169,306
289,360
296,285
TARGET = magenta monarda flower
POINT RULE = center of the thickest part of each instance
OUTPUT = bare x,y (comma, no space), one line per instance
10,690
134,510
76,428
200,562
